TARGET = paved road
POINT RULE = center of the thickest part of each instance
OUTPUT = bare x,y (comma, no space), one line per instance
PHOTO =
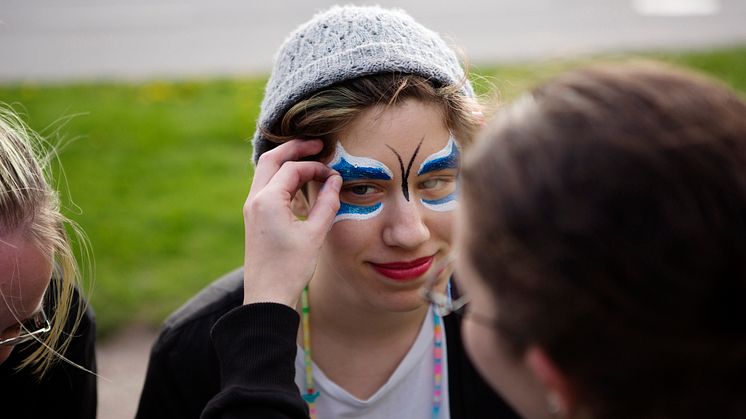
82,39
122,361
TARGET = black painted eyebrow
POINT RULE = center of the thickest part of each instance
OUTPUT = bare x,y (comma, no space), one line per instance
405,173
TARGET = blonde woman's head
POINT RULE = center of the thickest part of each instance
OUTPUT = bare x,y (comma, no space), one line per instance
37,264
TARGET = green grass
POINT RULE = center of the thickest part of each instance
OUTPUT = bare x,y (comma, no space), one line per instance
505,82
157,172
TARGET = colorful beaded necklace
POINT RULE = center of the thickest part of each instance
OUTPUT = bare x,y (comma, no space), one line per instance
312,394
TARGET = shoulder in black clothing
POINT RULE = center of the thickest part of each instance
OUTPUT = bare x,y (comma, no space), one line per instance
183,371
66,390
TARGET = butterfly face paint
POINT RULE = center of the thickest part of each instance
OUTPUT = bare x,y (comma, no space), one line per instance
447,158
405,171
353,168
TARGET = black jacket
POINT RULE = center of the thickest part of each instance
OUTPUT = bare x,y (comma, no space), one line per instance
66,391
257,350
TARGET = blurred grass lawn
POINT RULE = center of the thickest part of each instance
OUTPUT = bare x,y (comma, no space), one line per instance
158,172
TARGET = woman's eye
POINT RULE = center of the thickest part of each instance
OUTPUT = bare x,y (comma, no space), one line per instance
360,194
431,183
437,187
361,189
438,183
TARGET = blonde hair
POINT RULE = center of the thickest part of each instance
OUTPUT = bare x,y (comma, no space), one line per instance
28,204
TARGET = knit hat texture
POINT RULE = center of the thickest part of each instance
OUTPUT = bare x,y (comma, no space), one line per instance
346,42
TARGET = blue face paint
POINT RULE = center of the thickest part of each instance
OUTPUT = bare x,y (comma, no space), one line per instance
357,212
447,203
358,168
447,158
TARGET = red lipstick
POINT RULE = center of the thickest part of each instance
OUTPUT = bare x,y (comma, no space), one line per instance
404,271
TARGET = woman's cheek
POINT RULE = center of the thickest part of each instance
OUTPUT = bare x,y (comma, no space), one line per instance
442,224
5,353
348,234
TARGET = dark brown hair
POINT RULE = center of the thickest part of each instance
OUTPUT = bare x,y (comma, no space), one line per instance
607,213
330,111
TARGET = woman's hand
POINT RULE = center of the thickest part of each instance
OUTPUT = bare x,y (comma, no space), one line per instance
281,250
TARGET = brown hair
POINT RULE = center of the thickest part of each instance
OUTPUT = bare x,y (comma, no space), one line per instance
611,228
330,110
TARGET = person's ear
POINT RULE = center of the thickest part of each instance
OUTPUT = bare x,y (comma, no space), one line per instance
300,205
560,395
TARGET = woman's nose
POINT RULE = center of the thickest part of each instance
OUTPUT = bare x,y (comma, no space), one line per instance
406,226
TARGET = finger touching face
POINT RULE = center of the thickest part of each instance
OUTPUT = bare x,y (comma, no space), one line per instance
270,162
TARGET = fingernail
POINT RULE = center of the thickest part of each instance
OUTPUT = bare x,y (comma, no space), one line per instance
334,182
337,179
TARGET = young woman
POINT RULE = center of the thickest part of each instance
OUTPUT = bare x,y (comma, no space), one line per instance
47,334
602,240
370,111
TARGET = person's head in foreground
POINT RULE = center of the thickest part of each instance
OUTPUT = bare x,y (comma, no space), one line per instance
36,261
604,234
392,105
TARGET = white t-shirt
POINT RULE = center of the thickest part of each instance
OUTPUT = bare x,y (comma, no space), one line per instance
408,393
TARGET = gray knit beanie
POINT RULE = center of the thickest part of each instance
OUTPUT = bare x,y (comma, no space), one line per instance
347,42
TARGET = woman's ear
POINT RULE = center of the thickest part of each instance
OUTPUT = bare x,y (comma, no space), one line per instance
560,395
300,205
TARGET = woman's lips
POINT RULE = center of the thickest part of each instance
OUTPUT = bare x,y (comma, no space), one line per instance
402,271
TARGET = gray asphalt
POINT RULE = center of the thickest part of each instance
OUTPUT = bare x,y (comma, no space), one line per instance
141,39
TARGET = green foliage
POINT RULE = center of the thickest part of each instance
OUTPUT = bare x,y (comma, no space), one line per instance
726,64
504,82
156,173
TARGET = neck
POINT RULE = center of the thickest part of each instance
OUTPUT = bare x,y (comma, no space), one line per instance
342,326
349,320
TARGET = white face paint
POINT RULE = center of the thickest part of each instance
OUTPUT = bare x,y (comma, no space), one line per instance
354,168
389,137
446,158
361,169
